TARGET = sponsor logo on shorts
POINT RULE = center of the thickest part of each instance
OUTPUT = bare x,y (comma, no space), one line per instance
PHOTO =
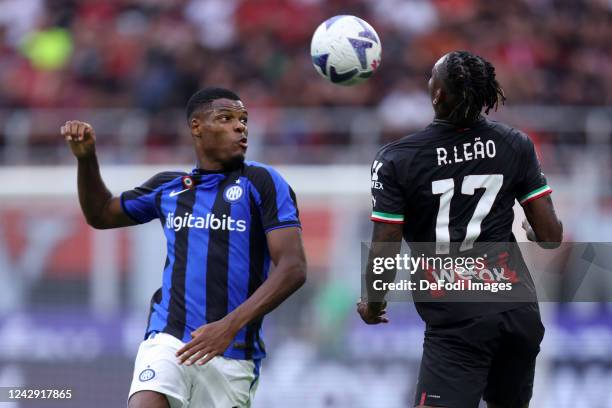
146,375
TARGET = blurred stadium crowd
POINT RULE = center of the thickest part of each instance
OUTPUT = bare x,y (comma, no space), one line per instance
152,54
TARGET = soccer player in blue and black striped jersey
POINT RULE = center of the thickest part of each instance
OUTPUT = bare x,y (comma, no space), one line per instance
224,223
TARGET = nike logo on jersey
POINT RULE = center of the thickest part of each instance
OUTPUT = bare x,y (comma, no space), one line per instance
175,193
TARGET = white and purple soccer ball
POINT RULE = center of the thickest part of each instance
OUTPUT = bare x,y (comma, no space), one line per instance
345,50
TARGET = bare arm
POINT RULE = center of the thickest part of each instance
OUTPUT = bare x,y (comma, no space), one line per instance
214,338
386,243
100,208
289,275
543,225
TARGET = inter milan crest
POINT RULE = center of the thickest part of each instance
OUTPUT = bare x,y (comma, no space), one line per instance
146,375
233,193
187,182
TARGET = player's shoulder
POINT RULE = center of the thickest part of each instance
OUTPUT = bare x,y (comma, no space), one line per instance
513,137
253,168
251,165
153,184
406,147
163,178
261,173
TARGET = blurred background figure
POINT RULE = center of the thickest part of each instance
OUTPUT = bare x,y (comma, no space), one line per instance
72,300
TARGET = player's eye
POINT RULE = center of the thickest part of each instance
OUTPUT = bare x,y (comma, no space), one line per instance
244,120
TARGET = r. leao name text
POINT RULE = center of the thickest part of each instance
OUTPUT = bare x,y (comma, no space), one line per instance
466,152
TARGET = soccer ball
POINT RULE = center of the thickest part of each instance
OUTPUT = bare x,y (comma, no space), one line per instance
345,50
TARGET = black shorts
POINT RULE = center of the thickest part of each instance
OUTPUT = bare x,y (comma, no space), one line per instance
490,357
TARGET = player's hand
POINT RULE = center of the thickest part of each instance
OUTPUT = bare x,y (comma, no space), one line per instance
531,236
80,137
373,312
207,342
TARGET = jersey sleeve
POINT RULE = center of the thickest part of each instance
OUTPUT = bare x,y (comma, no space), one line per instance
275,198
532,183
141,203
388,203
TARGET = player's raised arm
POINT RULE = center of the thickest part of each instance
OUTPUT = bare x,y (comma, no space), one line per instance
100,208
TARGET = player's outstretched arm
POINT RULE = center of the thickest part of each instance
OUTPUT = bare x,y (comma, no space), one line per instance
386,243
287,253
543,226
100,208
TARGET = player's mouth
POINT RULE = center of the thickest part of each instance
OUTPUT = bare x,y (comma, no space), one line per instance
244,144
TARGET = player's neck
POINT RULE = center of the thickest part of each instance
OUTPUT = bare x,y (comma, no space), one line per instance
444,119
206,163
211,166
442,112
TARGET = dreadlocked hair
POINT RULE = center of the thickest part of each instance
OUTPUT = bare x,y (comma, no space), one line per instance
471,79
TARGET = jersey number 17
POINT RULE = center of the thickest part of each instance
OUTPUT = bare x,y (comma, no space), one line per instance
490,182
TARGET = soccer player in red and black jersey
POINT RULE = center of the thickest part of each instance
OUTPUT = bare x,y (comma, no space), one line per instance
456,182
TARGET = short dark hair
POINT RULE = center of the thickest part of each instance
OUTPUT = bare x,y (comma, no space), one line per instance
471,79
206,96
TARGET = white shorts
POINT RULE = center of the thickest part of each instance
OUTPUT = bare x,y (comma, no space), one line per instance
220,383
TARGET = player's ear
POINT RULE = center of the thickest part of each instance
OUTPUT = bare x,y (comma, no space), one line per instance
438,96
195,124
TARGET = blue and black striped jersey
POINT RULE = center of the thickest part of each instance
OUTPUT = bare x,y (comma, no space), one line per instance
215,225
